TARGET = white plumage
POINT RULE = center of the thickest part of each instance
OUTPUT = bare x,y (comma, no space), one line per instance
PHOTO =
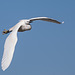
11,40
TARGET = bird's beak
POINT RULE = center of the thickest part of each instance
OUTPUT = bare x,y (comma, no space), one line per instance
5,31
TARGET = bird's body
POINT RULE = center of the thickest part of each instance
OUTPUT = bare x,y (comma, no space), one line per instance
11,40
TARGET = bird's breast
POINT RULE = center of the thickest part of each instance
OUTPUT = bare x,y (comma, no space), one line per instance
24,28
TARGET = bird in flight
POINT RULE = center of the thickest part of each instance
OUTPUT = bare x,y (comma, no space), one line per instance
11,40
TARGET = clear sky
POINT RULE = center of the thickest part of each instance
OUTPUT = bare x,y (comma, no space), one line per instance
47,49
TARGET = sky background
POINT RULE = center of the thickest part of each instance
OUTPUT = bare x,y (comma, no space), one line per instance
48,48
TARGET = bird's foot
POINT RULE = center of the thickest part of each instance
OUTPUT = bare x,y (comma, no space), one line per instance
5,31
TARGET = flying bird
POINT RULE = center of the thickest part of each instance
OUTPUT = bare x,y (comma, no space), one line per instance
11,40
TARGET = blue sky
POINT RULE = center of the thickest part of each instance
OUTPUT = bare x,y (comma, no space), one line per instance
47,49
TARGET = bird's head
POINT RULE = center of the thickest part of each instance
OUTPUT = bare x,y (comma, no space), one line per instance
27,22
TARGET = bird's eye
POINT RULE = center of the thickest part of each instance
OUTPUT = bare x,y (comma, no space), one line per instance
27,22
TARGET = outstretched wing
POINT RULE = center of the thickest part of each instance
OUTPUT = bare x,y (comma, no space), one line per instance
45,19
9,47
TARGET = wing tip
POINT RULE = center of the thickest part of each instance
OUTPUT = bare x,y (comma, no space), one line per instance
3,68
62,22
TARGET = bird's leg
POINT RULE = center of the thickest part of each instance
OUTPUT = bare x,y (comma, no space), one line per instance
5,31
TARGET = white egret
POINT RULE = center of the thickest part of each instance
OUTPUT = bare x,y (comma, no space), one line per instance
11,40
